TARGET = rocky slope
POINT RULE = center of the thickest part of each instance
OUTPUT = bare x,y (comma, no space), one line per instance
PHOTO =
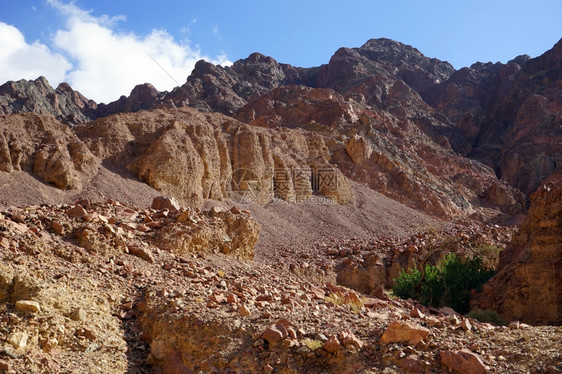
97,287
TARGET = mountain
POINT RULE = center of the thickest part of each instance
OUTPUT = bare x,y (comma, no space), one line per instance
251,219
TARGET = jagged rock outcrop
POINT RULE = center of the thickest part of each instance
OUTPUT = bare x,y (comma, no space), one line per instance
528,286
38,97
226,89
414,112
195,156
397,157
46,148
381,61
510,115
292,106
143,96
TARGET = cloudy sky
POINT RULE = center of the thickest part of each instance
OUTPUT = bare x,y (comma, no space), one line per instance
104,48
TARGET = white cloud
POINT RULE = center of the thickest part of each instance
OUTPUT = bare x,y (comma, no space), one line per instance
97,60
109,64
20,60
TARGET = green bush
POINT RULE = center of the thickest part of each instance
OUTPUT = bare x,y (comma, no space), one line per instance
487,315
448,283
408,284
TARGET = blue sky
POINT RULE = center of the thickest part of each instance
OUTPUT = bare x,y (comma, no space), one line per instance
104,48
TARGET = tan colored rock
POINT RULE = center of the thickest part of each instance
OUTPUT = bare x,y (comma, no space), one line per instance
192,156
28,306
463,361
466,325
79,314
233,234
18,339
358,148
404,332
158,349
43,146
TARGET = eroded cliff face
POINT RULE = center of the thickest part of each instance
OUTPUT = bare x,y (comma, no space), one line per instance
195,156
43,146
510,115
391,153
528,286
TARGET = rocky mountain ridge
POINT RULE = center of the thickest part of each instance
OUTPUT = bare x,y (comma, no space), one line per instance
495,113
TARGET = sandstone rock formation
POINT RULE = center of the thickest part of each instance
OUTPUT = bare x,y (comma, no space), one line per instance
43,146
528,286
194,156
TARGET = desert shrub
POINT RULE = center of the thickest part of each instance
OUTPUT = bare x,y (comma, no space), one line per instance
487,315
489,253
408,284
448,283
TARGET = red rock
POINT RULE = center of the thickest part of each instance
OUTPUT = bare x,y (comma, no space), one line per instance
165,202
466,325
404,332
58,228
173,364
76,212
272,335
527,285
332,345
138,250
218,298
412,364
348,339
4,366
447,311
283,322
463,362
231,298
264,297
379,293
317,293
243,310
416,313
